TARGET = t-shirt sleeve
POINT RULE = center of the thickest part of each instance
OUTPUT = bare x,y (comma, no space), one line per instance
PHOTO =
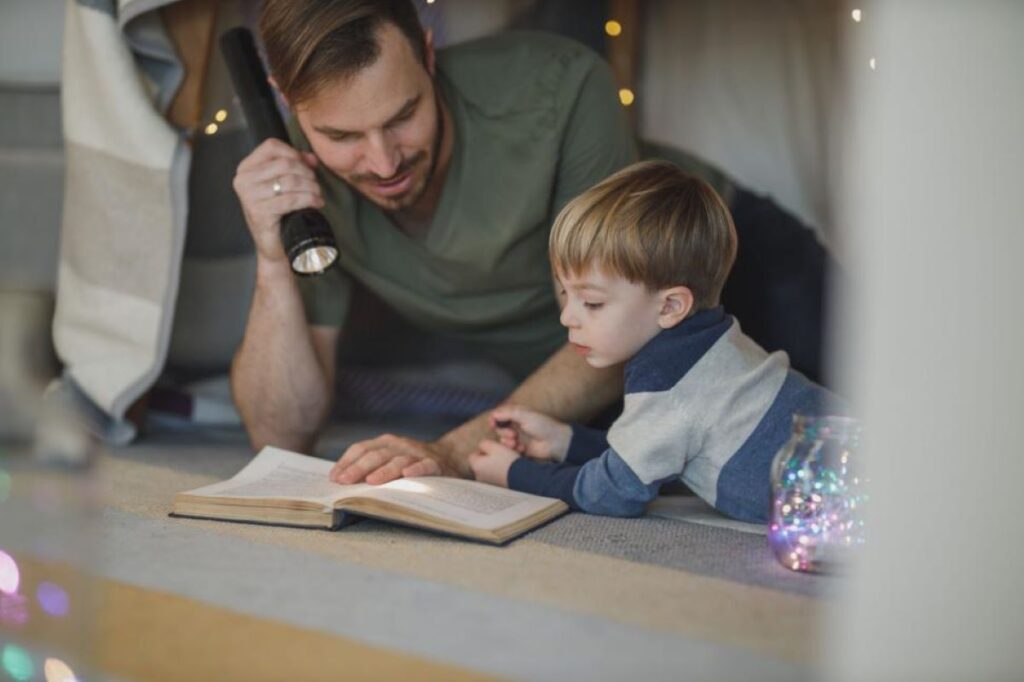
326,297
598,139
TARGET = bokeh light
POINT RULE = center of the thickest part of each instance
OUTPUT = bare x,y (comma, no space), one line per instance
613,28
57,670
626,96
221,115
10,578
13,610
53,598
856,14
211,129
17,663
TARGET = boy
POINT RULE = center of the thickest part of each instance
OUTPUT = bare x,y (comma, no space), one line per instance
641,259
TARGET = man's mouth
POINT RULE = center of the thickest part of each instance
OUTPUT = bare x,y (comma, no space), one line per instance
396,185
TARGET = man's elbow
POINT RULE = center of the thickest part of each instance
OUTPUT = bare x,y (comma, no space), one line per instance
261,437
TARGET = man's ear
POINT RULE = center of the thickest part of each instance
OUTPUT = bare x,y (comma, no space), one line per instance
273,84
676,304
428,51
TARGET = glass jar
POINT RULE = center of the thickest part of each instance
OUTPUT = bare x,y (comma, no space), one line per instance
817,494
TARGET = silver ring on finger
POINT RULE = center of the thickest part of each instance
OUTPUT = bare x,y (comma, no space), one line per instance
277,188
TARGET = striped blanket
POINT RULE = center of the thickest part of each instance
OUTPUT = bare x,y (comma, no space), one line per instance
123,227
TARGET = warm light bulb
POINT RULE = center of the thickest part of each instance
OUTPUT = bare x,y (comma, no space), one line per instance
211,129
626,96
613,28
855,14
221,115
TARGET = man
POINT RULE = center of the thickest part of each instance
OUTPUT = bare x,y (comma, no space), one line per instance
440,175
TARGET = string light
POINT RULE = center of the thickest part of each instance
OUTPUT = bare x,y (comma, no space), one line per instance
221,115
856,15
57,670
211,129
612,28
17,662
626,96
815,510
871,63
53,598
10,577
13,609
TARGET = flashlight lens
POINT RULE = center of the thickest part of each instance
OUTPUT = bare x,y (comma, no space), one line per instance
314,260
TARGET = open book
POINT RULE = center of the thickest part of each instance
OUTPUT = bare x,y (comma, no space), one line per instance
286,488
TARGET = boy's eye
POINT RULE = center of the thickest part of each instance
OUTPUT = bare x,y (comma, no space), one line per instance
592,306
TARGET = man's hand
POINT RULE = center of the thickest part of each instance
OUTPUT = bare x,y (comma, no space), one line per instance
491,462
531,433
388,457
273,180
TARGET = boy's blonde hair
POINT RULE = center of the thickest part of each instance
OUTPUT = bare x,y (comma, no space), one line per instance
650,223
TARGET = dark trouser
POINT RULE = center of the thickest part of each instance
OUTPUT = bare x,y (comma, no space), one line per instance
777,288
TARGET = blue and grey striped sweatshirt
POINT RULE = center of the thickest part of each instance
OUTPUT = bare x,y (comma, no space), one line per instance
703,403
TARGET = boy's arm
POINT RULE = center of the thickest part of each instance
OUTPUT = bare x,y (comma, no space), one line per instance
585,444
604,485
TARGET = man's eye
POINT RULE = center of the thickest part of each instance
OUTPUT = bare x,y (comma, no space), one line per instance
592,306
404,118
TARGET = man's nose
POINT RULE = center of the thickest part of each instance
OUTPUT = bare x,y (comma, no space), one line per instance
382,156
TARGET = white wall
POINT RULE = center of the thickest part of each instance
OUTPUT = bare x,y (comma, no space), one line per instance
934,204
747,85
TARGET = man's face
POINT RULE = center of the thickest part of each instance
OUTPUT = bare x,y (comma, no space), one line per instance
609,318
377,128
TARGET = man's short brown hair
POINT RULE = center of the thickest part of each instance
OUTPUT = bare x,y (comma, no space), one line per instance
653,224
311,43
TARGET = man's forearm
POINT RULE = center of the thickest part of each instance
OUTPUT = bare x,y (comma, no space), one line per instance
565,387
278,383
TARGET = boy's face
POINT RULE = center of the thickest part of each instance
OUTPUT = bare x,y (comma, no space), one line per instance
609,318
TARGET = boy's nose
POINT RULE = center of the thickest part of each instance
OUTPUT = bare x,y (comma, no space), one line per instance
567,318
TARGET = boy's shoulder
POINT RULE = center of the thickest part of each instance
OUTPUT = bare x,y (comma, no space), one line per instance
670,355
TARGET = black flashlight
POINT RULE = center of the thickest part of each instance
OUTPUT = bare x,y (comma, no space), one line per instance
305,234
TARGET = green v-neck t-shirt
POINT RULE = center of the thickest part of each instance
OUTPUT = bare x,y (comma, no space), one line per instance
537,121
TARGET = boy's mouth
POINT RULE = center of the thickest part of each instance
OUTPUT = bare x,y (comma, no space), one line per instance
581,349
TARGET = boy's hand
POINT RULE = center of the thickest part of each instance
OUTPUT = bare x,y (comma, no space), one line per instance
491,462
531,433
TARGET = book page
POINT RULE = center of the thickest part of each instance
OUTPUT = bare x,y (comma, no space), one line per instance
467,502
280,474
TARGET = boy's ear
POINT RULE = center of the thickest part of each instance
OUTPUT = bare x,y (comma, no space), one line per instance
676,304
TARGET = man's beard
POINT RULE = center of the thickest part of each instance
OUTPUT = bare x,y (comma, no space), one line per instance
414,194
